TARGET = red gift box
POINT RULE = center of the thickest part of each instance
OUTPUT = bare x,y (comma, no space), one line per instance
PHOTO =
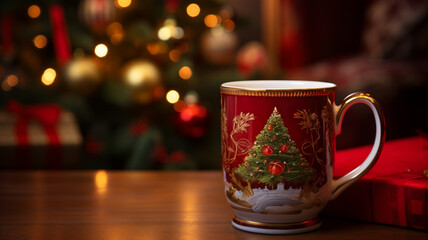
38,136
394,191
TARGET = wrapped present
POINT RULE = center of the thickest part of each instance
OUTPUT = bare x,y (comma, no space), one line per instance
38,136
394,191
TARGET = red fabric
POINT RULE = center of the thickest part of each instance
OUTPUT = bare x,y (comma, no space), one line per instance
59,33
397,157
394,191
6,30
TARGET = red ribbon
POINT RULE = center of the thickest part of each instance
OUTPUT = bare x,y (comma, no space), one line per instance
59,33
47,115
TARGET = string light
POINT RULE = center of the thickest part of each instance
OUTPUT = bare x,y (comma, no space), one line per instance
172,96
116,37
5,86
212,20
179,106
115,31
157,48
174,55
185,72
164,33
40,41
191,98
12,80
34,11
48,76
153,48
177,33
226,13
193,10
113,28
229,25
101,50
170,30
123,3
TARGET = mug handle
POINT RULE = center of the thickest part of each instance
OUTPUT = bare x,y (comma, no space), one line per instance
339,111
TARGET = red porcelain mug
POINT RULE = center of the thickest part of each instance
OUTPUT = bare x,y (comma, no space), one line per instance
278,147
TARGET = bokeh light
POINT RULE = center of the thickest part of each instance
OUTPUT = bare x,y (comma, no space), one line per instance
170,30
193,111
164,33
141,73
193,10
115,31
34,11
40,41
212,20
113,28
101,181
177,33
12,80
179,106
172,96
229,25
185,72
175,55
191,98
101,50
48,76
5,86
123,3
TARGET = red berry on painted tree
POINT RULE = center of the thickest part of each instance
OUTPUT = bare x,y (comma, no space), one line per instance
276,167
284,148
267,150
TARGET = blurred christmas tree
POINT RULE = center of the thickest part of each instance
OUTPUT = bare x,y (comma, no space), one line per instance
141,77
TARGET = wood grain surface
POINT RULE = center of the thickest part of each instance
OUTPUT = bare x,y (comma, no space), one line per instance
140,205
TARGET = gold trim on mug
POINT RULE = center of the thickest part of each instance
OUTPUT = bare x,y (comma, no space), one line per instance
293,225
277,92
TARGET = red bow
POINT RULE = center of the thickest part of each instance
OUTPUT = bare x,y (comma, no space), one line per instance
47,115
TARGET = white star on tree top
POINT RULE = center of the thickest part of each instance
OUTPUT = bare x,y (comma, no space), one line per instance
275,113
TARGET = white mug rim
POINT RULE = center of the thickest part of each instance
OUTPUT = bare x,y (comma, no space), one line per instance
283,85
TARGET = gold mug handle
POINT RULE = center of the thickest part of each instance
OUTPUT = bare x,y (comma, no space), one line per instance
339,111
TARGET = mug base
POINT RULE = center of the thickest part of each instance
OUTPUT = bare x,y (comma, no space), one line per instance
275,228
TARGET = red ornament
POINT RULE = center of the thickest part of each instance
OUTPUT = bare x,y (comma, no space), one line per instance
270,127
267,150
276,167
193,121
284,148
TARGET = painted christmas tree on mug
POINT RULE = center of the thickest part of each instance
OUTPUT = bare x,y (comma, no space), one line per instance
274,157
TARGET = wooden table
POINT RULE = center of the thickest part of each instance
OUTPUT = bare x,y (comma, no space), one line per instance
140,205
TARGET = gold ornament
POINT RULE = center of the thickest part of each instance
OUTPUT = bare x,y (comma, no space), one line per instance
97,14
218,46
83,75
252,57
143,78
